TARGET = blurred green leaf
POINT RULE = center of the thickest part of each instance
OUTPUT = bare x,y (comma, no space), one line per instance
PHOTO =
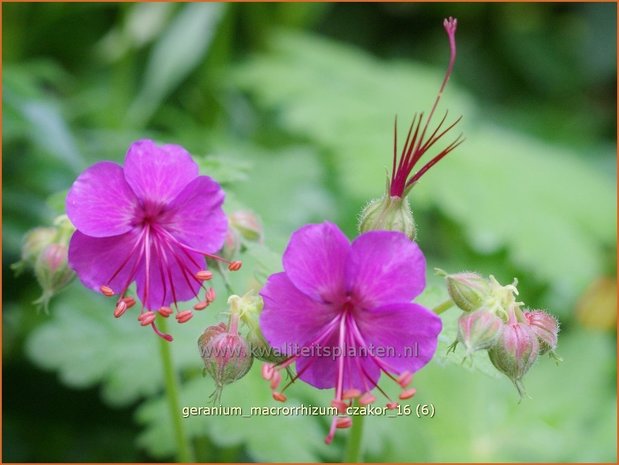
180,50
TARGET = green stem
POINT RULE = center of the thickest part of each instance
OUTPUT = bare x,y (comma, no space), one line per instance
443,307
353,448
185,454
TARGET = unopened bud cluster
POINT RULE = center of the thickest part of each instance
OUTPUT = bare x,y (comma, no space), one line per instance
494,321
45,252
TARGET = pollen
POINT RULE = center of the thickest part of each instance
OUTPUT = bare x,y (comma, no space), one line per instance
184,316
106,291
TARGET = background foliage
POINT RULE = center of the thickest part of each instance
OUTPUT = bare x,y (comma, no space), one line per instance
291,106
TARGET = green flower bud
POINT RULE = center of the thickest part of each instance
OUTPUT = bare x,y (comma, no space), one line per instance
467,290
389,213
52,272
249,307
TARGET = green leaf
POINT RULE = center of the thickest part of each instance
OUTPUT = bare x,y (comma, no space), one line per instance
175,55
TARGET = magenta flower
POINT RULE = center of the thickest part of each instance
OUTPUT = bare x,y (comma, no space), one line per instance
417,144
344,313
151,222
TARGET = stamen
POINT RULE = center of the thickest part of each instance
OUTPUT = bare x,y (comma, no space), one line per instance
106,291
184,316
405,379
278,396
130,301
235,266
351,394
210,295
204,275
367,399
343,422
267,371
147,317
275,380
121,308
165,311
340,405
408,393
331,434
392,405
167,337
201,305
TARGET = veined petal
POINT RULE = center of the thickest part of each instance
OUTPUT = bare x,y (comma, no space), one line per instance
100,203
170,274
321,369
385,267
105,261
196,218
315,261
406,333
158,173
290,318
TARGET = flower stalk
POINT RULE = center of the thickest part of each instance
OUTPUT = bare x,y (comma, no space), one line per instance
183,446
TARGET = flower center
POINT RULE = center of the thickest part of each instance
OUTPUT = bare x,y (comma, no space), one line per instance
353,353
162,257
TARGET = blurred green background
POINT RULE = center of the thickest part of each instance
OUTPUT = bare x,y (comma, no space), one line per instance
291,107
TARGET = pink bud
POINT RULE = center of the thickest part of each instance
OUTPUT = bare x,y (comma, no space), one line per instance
479,330
545,327
515,352
248,224
227,356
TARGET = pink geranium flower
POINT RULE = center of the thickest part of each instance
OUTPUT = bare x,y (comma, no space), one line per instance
344,313
151,222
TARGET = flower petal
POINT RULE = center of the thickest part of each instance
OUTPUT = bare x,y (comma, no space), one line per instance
170,274
321,371
196,218
291,319
100,203
96,260
315,261
158,173
405,333
385,267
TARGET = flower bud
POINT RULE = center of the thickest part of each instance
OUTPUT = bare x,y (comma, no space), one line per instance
247,224
52,272
232,244
467,290
514,352
35,241
388,213
249,307
479,330
226,354
545,327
